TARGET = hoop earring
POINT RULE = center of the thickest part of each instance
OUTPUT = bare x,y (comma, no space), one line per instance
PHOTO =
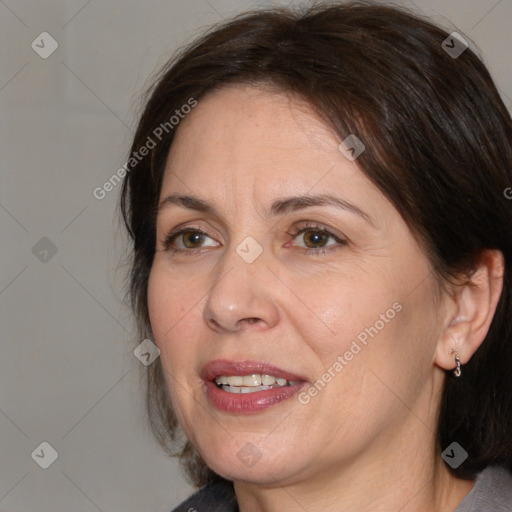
457,372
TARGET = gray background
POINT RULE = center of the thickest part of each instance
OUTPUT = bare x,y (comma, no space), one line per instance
68,375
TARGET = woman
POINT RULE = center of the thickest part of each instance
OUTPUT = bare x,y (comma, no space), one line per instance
323,256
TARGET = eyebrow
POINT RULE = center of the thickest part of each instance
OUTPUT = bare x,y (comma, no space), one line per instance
278,207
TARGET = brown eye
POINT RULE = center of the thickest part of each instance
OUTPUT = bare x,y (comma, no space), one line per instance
187,240
314,238
192,239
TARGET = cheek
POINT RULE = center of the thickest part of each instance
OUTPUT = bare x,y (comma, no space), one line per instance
169,307
375,321
173,310
345,307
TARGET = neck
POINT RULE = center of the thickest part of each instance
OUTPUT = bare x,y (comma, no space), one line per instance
397,476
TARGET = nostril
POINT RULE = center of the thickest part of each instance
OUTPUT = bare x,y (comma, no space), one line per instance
213,323
237,326
244,322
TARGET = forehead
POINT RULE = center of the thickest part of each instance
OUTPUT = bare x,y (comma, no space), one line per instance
260,109
246,135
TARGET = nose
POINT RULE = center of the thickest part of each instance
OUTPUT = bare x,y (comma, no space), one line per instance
242,296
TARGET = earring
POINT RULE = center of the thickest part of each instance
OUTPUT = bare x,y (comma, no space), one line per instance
457,372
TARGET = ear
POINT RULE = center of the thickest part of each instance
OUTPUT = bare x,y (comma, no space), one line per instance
471,308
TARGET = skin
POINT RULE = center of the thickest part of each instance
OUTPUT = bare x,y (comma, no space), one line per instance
366,441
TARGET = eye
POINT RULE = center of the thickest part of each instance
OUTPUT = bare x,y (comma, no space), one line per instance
312,238
315,237
187,240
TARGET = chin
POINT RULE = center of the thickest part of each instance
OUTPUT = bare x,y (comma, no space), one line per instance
247,459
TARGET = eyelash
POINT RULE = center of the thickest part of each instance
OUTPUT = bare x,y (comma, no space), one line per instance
171,237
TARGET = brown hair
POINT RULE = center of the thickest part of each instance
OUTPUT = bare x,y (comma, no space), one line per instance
438,145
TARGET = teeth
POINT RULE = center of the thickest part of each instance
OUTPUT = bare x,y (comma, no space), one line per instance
268,380
251,380
249,383
235,381
248,389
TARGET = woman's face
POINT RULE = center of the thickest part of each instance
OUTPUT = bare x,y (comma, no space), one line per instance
293,265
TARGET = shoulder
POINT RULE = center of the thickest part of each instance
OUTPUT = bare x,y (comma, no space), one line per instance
215,497
492,492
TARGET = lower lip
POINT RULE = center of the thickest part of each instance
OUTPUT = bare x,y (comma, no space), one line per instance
250,403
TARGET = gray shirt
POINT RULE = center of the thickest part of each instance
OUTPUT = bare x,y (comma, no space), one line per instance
492,492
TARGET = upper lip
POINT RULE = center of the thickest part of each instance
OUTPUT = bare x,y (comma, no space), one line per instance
218,367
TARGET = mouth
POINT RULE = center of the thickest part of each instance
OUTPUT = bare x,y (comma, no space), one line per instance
251,383
247,386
